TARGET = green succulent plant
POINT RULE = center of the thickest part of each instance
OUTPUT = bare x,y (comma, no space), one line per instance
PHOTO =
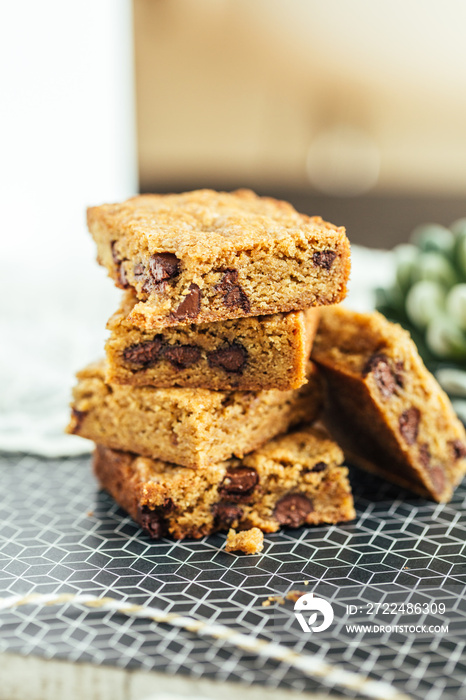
428,296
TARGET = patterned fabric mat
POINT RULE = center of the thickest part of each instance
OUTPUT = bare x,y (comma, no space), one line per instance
59,534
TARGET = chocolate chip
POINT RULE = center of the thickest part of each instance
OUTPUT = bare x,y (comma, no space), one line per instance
143,354
233,295
139,270
78,417
115,256
168,505
225,514
399,369
291,510
437,478
163,266
239,481
121,279
235,298
148,282
458,448
181,356
230,277
151,521
324,258
386,379
409,424
319,467
435,472
149,285
232,359
191,304
424,455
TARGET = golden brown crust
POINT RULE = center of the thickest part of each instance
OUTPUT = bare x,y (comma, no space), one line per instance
167,222
207,256
191,427
384,407
295,479
248,354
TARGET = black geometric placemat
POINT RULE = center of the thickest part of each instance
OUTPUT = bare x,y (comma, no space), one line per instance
59,534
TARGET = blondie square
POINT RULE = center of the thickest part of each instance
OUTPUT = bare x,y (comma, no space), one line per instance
191,427
209,256
294,480
263,352
385,409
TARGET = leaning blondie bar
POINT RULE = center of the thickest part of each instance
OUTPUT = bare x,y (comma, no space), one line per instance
264,352
209,256
294,480
385,409
191,427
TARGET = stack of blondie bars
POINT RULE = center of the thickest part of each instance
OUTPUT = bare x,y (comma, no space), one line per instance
202,411
222,354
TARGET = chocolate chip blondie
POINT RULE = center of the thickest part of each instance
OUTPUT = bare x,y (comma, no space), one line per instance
294,480
191,427
209,256
264,352
385,409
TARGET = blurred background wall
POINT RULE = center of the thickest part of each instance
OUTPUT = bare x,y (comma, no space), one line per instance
67,136
355,110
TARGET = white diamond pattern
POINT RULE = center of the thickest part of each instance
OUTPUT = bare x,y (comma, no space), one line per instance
399,546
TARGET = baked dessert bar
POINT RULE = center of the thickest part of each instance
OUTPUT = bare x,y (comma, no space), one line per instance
209,256
294,480
191,427
264,352
384,408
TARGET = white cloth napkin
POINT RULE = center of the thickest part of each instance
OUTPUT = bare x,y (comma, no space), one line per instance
52,322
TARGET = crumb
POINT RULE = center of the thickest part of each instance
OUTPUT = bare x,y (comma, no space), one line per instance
294,595
273,599
306,583
90,513
247,541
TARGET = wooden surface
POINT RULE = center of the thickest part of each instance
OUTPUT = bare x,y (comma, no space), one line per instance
47,679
